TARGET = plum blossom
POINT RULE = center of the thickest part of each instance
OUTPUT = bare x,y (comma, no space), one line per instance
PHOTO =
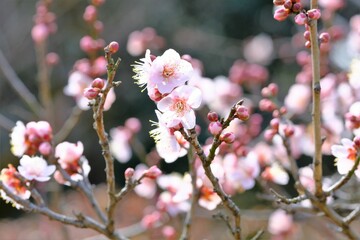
147,188
354,73
71,160
30,138
276,174
35,168
346,155
298,98
177,107
208,198
119,144
170,145
9,177
280,223
169,71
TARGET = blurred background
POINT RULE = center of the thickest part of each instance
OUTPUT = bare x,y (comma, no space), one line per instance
215,32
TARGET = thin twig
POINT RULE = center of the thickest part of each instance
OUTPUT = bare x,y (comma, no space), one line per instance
19,87
6,123
283,199
185,234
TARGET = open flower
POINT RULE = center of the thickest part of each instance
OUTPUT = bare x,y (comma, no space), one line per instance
170,145
177,107
346,155
35,168
10,179
169,71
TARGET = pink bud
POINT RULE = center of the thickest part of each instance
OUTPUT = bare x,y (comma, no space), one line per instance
324,37
153,172
242,113
288,4
308,44
113,47
90,13
39,33
274,89
307,35
278,2
265,92
228,137
212,116
98,83
98,26
91,93
267,105
87,44
296,7
169,232
45,148
314,14
215,128
274,124
301,19
97,2
281,14
289,131
52,58
269,134
133,124
129,173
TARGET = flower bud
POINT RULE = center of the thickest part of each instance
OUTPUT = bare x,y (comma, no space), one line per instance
98,83
52,58
281,14
314,14
228,137
307,35
113,47
212,116
242,113
215,128
267,105
324,37
39,33
296,7
301,19
90,13
269,134
288,4
274,124
129,173
133,124
278,2
45,148
91,93
274,89
153,172
308,44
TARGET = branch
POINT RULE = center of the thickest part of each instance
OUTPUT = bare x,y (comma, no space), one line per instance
185,234
19,87
99,127
316,111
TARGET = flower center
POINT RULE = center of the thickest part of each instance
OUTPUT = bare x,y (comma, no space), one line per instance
352,154
168,71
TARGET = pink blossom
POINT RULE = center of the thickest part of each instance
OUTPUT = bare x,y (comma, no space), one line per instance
276,174
68,153
179,186
40,33
9,177
120,144
281,14
169,71
139,41
147,188
208,198
167,203
354,73
280,223
170,145
345,154
332,5
177,107
298,98
35,168
301,19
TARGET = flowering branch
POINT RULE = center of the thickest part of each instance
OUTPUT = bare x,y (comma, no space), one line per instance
99,127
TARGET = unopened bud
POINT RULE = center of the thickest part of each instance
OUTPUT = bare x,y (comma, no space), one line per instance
45,148
215,128
324,37
296,7
301,19
281,14
113,47
98,83
274,89
91,93
153,172
212,116
278,2
308,44
242,113
314,14
269,134
307,35
274,124
133,124
129,173
288,4
228,137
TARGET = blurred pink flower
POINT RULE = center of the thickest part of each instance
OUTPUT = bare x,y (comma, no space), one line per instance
68,153
35,168
280,223
276,174
9,178
208,198
147,188
139,41
119,144
298,98
177,107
